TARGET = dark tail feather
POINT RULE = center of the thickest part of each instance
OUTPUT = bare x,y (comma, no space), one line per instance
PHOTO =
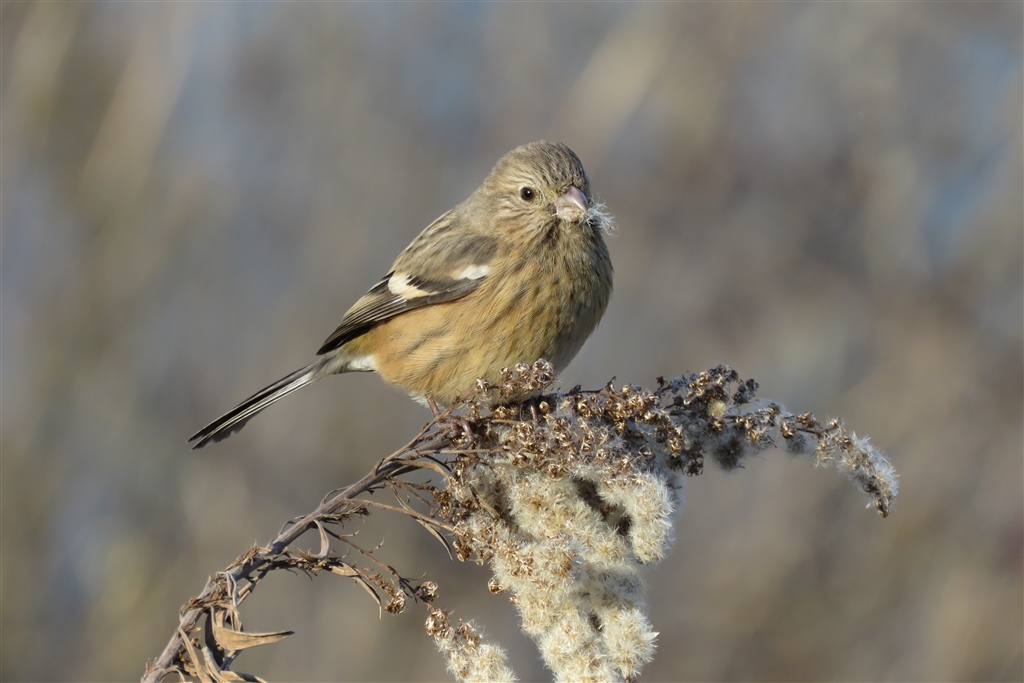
233,420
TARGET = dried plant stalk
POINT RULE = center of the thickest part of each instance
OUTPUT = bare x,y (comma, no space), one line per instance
566,497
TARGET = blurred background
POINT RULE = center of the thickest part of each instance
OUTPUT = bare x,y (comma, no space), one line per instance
826,196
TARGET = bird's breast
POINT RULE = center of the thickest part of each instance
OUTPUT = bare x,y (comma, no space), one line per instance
537,303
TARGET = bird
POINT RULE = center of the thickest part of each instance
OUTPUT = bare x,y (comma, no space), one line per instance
517,272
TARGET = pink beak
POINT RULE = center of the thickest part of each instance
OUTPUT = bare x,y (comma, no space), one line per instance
572,205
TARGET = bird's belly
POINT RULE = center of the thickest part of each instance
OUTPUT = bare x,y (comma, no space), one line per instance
440,351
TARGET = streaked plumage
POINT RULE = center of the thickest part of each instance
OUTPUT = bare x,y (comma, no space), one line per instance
516,272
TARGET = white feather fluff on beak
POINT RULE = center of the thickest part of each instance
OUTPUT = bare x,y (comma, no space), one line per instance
572,205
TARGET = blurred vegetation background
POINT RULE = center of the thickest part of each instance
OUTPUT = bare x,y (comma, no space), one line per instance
826,196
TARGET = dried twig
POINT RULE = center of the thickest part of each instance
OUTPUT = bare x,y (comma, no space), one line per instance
565,497
222,592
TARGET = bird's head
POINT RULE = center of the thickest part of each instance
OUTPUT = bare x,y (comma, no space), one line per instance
540,184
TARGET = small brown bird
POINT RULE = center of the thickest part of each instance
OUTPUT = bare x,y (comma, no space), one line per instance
518,271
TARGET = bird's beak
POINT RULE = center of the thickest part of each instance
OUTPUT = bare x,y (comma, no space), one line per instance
572,206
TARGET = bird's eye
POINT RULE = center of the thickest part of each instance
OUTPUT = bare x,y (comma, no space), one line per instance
527,193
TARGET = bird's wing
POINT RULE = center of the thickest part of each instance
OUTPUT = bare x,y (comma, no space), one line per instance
445,262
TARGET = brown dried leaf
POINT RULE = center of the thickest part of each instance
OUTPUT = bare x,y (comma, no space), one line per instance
369,589
342,569
230,639
325,542
438,535
239,676
212,666
427,465
193,658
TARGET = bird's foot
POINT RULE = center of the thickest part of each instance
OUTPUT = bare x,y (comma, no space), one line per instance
461,423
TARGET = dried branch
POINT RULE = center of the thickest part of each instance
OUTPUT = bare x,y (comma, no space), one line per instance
566,496
223,593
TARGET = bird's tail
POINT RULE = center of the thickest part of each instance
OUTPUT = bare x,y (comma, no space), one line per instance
233,420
